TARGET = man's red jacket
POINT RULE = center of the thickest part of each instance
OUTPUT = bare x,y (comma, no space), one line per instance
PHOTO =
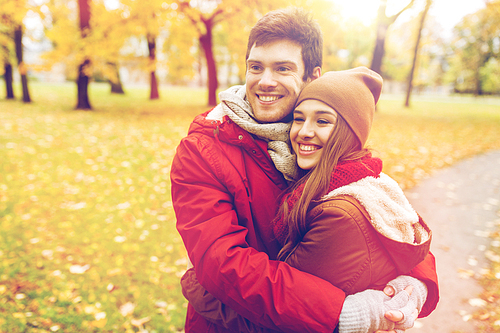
225,192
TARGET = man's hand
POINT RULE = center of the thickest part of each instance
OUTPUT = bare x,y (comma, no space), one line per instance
395,315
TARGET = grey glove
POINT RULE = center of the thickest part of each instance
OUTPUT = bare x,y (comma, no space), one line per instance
416,301
364,312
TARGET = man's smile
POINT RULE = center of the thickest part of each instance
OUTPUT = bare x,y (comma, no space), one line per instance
268,98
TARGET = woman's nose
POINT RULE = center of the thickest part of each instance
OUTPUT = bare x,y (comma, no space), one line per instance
307,130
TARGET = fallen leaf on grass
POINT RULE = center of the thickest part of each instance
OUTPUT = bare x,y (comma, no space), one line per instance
161,304
78,269
127,309
48,254
114,271
99,323
120,239
140,322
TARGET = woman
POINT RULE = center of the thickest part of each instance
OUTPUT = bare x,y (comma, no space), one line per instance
344,220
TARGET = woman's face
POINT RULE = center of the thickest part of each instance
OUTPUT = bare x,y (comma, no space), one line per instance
313,122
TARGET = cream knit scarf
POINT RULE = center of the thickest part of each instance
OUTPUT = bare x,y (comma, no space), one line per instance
235,105
390,212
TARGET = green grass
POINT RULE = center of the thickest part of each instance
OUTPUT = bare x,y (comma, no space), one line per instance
87,231
87,225
432,134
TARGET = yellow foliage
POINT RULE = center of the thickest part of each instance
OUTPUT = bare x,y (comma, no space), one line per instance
13,11
181,50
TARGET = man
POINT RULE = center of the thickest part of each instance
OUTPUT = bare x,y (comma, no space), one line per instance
227,176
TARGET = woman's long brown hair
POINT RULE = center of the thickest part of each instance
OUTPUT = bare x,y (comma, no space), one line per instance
342,145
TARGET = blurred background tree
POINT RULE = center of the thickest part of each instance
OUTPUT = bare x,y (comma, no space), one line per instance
416,50
12,32
206,16
476,50
384,21
82,82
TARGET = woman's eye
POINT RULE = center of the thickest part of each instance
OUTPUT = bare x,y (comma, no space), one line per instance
323,122
297,120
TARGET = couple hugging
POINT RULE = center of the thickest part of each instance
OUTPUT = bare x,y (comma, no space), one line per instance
286,216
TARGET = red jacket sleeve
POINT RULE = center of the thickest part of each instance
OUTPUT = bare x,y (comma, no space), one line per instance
426,272
214,310
267,292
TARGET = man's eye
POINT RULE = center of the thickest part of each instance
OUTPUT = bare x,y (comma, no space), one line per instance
283,69
254,67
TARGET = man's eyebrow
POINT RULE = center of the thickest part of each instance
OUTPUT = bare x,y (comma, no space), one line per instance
285,62
252,60
277,63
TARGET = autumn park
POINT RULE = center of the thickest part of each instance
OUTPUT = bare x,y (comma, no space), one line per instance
95,96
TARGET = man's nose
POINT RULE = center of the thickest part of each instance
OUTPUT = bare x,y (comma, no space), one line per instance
267,79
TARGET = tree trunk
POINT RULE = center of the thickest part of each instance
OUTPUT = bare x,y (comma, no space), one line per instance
207,45
383,23
8,76
18,40
478,91
382,26
379,50
415,52
8,81
116,82
83,79
152,59
83,86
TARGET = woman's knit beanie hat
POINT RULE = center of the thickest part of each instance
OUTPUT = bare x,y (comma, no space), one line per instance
351,93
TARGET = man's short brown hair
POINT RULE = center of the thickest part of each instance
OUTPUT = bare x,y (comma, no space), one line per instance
295,25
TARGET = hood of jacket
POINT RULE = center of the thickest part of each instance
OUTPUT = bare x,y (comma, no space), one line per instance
399,226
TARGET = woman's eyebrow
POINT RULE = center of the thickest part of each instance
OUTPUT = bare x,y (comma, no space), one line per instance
326,112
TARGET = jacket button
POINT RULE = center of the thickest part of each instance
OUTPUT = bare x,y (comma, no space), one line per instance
253,151
240,137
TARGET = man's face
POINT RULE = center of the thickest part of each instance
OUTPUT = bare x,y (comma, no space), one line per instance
274,79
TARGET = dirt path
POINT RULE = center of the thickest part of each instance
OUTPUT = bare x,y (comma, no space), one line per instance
461,204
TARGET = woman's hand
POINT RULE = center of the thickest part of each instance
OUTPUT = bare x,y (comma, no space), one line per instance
397,316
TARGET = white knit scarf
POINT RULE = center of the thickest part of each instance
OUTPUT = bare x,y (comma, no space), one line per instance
235,105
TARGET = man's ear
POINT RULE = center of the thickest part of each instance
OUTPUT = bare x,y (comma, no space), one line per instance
316,73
